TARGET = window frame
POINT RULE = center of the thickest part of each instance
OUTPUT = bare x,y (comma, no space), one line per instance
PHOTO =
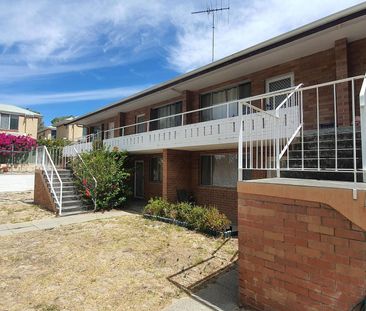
11,116
220,89
160,174
137,131
154,124
211,155
279,78
275,79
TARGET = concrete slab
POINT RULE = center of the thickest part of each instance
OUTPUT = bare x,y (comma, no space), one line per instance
50,223
16,182
221,295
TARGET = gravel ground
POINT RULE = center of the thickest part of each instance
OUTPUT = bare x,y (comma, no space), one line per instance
18,207
115,264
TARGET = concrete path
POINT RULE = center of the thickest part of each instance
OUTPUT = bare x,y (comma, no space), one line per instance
50,223
219,295
16,182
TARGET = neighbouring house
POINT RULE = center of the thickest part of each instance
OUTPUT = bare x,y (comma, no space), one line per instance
71,132
48,132
18,121
274,136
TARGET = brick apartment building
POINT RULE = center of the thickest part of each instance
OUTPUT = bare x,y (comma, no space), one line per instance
302,245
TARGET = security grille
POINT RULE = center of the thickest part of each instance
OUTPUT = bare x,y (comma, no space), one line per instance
277,85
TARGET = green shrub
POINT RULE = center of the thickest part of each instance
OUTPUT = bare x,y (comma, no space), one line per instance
112,171
157,207
53,143
200,218
214,220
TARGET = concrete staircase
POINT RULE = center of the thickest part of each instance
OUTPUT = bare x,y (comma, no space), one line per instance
71,200
327,155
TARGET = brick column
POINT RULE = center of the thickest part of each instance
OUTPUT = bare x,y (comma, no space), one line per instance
187,105
176,173
343,90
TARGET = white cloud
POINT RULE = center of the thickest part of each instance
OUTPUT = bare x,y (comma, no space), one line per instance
65,97
46,37
41,37
250,22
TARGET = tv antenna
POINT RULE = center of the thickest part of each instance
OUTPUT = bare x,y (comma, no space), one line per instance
212,11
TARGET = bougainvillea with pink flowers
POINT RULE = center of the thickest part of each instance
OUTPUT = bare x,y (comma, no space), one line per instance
12,144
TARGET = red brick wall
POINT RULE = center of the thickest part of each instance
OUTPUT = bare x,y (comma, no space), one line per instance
151,189
357,57
42,195
225,199
297,255
176,173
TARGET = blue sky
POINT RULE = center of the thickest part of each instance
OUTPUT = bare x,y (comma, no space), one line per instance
71,57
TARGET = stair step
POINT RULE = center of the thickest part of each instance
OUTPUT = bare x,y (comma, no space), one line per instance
67,213
69,203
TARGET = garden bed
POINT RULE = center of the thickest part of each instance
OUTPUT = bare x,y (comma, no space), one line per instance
205,219
213,233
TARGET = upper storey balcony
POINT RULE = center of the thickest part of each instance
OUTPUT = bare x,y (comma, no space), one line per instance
215,127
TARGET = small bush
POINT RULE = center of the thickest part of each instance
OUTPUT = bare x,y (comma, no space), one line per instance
111,169
157,207
200,218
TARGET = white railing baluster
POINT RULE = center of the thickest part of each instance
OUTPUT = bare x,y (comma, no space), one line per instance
47,163
363,126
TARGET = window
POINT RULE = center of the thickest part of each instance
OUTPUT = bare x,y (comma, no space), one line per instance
165,111
109,133
223,96
53,133
219,170
277,84
140,128
156,169
9,122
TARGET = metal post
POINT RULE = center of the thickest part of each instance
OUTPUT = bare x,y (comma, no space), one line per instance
363,126
240,150
43,156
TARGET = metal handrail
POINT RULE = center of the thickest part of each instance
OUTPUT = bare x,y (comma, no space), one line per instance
95,180
50,178
363,126
288,97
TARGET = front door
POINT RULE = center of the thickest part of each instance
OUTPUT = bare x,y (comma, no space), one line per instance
139,179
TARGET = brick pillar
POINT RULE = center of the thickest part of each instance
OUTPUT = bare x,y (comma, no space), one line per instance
176,173
343,90
187,105
120,122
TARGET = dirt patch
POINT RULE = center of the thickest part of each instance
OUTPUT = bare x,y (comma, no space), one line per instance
18,207
114,264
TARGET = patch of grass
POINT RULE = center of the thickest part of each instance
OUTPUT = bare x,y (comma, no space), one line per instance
44,307
120,262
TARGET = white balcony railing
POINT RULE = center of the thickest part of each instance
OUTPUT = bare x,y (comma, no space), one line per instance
329,126
187,134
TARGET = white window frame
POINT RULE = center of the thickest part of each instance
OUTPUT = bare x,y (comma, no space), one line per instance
144,125
10,117
280,77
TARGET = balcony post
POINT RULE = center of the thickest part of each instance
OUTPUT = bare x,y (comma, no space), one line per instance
363,127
